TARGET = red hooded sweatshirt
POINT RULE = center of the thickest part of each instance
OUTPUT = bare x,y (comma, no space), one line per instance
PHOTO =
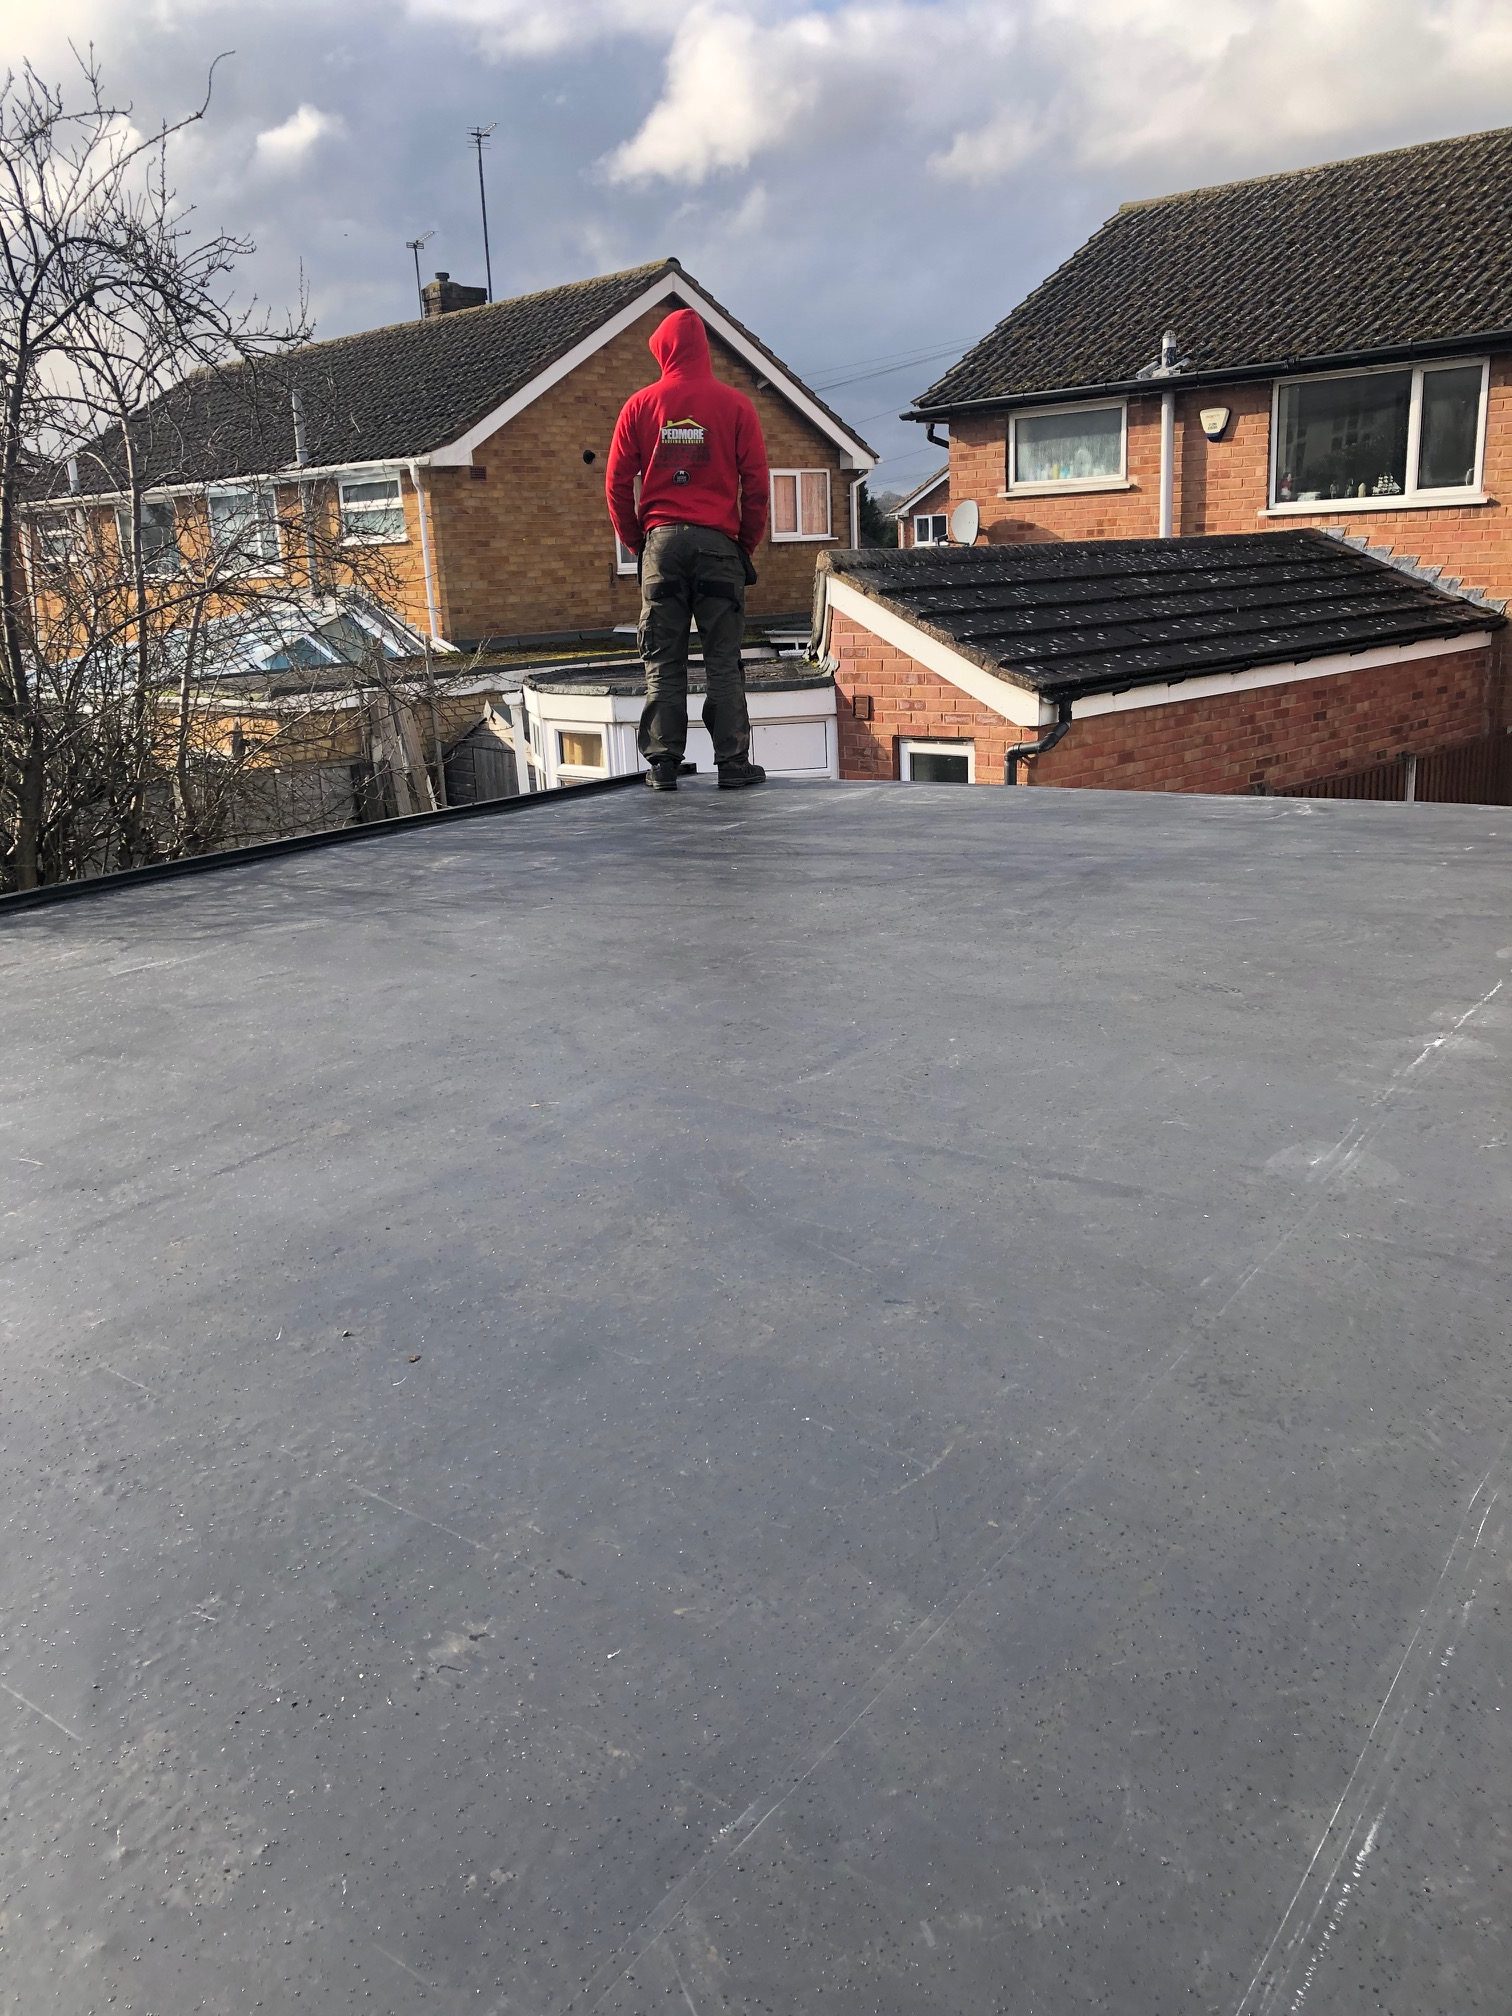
694,442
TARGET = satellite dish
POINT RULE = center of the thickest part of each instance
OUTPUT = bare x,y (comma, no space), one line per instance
965,523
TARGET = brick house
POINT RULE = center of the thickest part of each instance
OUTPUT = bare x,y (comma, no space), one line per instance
466,450
1219,664
1340,355
923,517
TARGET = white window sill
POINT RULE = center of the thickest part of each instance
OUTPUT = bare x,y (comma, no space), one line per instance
1430,500
367,539
800,538
1069,489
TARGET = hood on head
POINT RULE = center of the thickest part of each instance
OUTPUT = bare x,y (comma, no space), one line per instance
681,346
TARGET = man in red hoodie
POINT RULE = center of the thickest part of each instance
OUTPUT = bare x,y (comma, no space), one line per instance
694,446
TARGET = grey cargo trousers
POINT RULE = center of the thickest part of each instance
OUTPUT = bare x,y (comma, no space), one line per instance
692,574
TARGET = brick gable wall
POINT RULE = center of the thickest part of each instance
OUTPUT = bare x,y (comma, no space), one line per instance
529,547
935,500
1223,486
1272,737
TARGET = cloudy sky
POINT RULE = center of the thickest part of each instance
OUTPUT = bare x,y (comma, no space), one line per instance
862,181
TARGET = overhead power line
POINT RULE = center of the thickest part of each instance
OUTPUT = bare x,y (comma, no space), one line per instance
888,370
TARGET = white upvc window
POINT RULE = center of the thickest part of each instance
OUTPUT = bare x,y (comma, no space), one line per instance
372,511
625,561
160,547
55,540
244,527
1379,439
1077,447
580,748
931,528
937,762
801,504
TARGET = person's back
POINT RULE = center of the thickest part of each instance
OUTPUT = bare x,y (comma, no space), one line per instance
693,445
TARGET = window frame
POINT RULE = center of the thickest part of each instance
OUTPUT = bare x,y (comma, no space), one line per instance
940,518
800,537
349,538
599,769
65,524
267,501
172,549
1410,497
1068,485
910,746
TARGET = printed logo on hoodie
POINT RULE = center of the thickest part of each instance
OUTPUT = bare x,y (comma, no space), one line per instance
683,441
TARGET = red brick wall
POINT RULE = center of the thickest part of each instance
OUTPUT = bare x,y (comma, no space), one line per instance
1223,486
1278,736
1272,736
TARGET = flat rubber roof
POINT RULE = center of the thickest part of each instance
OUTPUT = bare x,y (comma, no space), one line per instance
859,1398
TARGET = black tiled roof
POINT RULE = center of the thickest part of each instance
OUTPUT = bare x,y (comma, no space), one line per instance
1101,615
383,394
1387,252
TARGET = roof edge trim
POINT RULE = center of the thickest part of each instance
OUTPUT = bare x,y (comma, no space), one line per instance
459,452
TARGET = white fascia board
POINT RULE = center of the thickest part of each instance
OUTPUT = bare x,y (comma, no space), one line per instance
458,453
939,481
1212,685
1014,703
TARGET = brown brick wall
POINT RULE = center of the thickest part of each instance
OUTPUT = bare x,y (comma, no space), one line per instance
1223,486
529,547
1272,737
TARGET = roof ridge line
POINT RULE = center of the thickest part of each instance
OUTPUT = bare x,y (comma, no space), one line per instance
1311,168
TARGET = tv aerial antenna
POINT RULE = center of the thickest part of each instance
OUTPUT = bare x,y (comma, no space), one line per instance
417,246
478,137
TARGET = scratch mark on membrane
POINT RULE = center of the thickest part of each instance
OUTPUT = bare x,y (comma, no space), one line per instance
63,1726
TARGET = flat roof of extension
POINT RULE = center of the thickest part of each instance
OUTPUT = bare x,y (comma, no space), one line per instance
856,1392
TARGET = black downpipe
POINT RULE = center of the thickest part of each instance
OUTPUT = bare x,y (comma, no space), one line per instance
1019,750
935,440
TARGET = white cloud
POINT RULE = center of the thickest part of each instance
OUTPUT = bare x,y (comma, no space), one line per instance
543,28
283,147
977,89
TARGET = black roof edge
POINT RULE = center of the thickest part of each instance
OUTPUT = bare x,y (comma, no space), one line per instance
300,843
1229,374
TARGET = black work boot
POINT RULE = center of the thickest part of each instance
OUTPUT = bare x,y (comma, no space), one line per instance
740,775
663,776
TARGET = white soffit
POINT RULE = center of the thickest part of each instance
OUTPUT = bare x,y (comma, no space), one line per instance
1211,685
854,453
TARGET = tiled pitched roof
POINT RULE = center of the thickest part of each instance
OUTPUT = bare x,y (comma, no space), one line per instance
1101,615
1382,253
383,394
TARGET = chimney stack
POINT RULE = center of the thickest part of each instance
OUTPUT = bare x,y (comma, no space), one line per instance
444,296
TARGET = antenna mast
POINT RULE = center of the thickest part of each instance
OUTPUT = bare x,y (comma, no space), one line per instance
478,136
417,246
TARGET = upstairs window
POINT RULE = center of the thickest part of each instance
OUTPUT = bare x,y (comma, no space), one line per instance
931,528
1067,447
54,541
244,528
1373,437
160,548
800,504
372,511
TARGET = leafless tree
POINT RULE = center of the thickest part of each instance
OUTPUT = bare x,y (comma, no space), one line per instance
131,591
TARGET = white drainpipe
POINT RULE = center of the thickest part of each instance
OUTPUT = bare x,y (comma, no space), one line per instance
1167,462
855,511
